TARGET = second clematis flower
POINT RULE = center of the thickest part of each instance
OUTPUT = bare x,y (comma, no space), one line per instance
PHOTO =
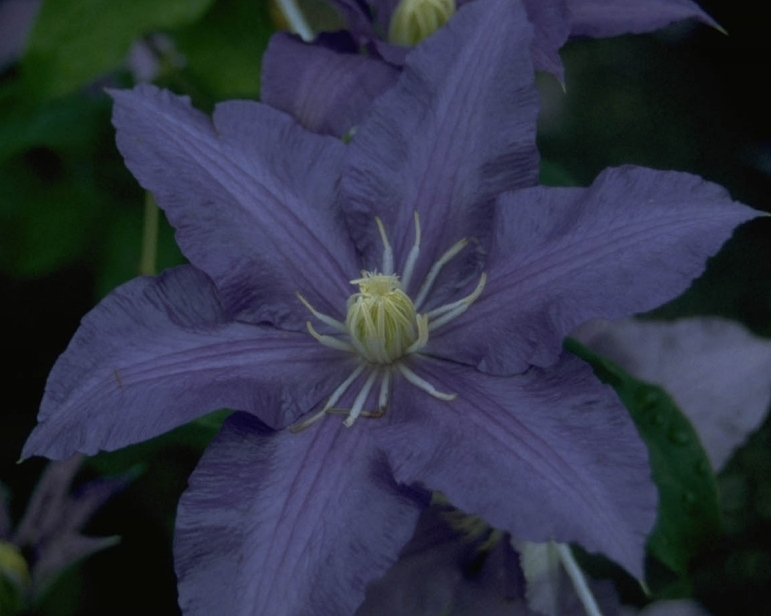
388,27
386,317
333,82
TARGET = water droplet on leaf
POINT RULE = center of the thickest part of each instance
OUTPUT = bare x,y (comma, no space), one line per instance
701,468
679,436
690,502
646,399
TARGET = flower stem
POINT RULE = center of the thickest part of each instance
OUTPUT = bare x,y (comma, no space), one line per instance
148,258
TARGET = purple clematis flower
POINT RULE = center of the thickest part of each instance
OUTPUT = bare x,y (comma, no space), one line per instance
389,27
333,83
50,530
406,281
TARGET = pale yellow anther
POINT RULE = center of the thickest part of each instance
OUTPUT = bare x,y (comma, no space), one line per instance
415,20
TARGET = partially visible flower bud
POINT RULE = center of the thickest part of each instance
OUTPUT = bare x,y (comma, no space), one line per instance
415,20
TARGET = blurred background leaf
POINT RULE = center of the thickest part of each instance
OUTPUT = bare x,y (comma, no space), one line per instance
223,50
75,41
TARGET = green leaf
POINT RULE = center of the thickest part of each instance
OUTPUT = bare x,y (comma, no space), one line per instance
48,210
73,123
689,513
223,51
50,188
554,174
75,41
11,599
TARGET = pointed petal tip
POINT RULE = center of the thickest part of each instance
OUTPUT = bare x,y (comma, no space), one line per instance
38,447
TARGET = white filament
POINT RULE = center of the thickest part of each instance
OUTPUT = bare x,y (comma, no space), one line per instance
296,19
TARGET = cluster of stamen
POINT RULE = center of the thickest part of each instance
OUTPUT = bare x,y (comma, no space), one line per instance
383,326
381,319
414,20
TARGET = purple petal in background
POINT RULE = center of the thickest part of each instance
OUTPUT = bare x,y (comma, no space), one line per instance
358,15
457,129
677,607
286,524
252,196
50,528
631,241
159,352
445,571
551,28
601,18
718,373
16,20
5,516
547,455
48,500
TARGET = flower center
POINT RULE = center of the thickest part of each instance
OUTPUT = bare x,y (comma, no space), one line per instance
415,20
383,327
381,318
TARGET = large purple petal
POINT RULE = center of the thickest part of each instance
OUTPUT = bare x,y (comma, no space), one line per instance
718,373
157,353
281,523
633,240
457,129
551,454
601,18
252,196
330,91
